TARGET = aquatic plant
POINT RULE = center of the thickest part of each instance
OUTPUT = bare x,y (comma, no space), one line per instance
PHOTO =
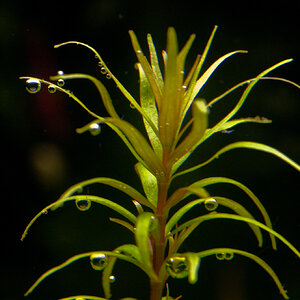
172,135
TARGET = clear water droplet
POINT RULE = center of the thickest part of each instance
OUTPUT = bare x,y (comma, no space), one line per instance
60,72
33,85
51,89
60,82
98,261
94,129
211,204
229,255
103,70
177,267
83,204
225,255
112,278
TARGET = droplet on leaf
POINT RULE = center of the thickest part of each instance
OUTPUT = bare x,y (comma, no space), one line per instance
94,129
98,261
220,256
83,204
33,85
60,82
211,204
51,89
108,76
103,70
112,278
177,267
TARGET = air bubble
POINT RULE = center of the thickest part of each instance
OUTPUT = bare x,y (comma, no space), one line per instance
60,82
225,255
177,267
83,204
60,72
98,261
108,76
33,85
100,63
211,204
51,89
112,278
94,129
103,70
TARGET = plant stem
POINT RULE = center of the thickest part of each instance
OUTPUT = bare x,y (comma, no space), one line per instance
156,287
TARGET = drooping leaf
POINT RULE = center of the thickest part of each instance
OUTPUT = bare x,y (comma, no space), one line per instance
217,180
253,257
201,219
248,145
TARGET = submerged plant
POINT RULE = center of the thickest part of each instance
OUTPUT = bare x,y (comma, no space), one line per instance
165,100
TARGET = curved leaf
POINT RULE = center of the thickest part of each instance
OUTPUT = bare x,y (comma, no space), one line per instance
121,186
215,180
114,206
201,219
253,257
248,145
80,256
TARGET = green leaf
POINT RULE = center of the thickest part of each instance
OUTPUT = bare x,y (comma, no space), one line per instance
253,257
80,256
244,96
142,236
149,183
248,145
169,108
127,249
201,219
148,104
154,62
189,144
85,297
103,201
194,264
236,207
216,180
99,85
147,68
119,185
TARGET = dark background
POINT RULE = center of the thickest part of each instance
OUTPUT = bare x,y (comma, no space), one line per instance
41,155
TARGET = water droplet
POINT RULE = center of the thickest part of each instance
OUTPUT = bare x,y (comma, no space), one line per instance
177,267
108,76
98,261
229,255
103,70
100,63
225,255
94,129
132,106
112,278
220,256
211,204
60,82
60,72
51,89
33,85
83,204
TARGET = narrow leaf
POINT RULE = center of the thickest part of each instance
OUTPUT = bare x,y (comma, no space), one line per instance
149,183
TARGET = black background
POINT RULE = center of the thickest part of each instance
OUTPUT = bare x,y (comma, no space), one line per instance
41,155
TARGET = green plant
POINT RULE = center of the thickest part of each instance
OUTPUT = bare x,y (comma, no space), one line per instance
172,136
